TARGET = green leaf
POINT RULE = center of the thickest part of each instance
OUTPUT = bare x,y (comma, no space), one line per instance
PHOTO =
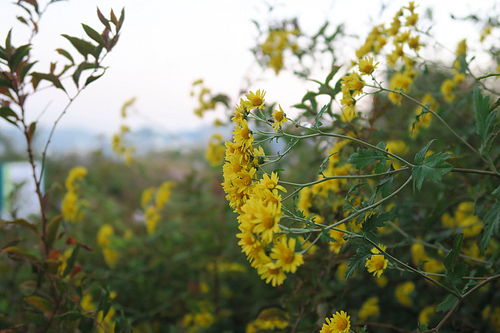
78,72
432,167
41,303
423,327
121,20
330,76
94,35
485,120
496,192
66,54
490,226
18,56
447,304
103,20
37,77
359,259
31,131
83,47
22,223
52,228
455,271
20,252
362,158
71,316
451,258
71,261
322,167
317,123
6,112
92,78
224,99
374,221
104,304
25,69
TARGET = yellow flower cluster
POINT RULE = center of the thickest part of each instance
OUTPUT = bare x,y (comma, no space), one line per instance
369,308
71,205
118,143
104,236
403,292
152,201
269,320
216,150
339,323
276,43
199,320
106,324
458,74
424,120
352,86
430,265
257,201
463,219
492,316
204,105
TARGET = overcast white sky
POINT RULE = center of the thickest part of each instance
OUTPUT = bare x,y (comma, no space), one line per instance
167,44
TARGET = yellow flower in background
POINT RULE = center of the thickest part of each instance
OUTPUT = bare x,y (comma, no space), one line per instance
163,194
377,263
75,174
152,218
426,314
147,196
446,90
339,323
105,232
110,257
403,291
339,238
216,150
369,308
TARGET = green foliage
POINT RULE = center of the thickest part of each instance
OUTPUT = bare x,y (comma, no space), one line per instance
485,120
433,166
364,157
491,225
358,260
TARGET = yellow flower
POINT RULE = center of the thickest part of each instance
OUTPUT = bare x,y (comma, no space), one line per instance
339,323
152,218
339,238
426,314
103,235
369,308
279,118
377,263
147,196
111,257
403,291
255,100
366,66
285,255
163,194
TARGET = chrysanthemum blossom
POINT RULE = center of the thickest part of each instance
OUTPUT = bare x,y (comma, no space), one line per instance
255,100
339,323
279,118
377,263
366,66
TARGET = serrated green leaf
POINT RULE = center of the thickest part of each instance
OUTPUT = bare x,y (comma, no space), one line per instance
420,156
362,158
485,120
359,259
451,258
433,167
447,304
490,226
423,327
374,221
71,261
322,167
317,123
